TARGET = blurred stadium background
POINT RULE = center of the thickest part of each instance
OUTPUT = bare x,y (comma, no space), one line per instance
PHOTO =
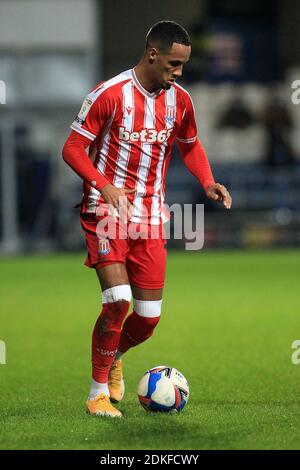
245,57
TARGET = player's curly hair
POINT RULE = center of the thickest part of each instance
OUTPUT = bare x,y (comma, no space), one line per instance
164,33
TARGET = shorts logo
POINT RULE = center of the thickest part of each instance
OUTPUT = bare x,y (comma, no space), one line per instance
104,247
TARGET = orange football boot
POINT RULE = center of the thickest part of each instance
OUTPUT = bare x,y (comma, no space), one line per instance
101,406
116,384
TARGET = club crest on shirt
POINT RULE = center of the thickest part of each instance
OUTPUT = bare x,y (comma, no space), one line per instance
170,114
104,247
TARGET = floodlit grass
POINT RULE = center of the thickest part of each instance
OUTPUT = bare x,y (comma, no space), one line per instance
228,322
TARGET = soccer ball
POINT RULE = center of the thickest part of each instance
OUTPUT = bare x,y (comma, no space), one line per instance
163,388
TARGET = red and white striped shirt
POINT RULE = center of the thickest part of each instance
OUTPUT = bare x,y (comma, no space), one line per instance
133,132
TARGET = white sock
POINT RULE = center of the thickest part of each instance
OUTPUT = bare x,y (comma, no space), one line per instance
97,388
118,355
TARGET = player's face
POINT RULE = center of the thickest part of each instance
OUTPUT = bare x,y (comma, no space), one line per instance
168,65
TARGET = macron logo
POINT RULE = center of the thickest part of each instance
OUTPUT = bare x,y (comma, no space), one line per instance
145,135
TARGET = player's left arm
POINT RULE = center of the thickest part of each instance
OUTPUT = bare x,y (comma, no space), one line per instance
196,161
195,158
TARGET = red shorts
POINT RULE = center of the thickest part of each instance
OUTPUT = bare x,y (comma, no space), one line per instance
144,258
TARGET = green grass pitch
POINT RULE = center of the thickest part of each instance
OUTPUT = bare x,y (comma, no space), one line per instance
228,322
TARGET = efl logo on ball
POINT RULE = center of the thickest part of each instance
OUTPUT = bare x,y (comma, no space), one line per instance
163,389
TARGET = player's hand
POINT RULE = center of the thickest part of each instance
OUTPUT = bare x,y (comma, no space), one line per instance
117,197
218,192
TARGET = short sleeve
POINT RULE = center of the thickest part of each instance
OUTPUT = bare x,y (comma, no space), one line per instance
188,129
97,108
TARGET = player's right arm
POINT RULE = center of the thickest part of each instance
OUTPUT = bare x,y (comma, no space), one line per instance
89,122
